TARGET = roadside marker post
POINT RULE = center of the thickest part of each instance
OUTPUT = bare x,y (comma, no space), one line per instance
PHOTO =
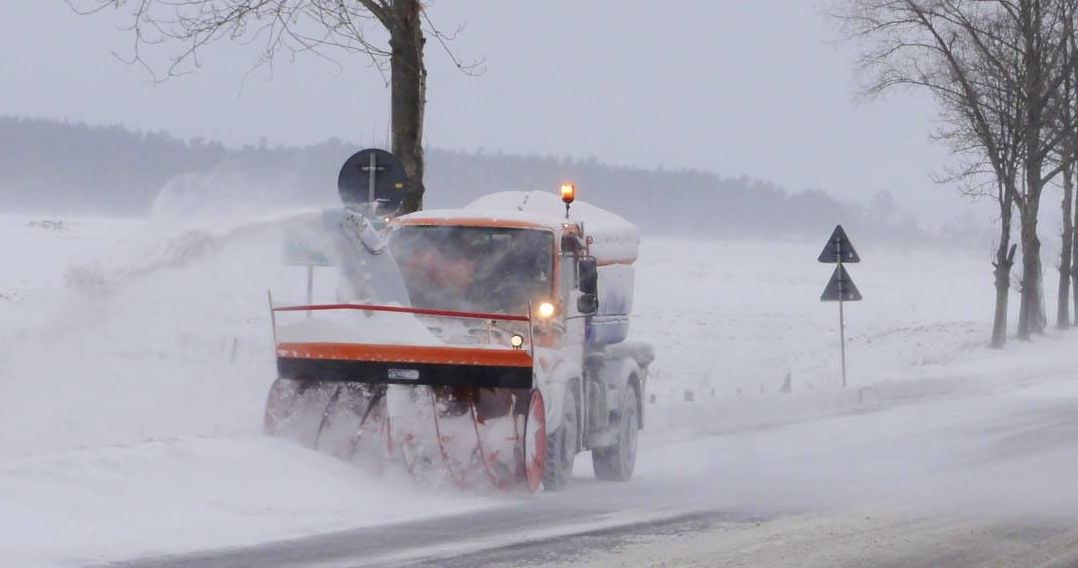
840,288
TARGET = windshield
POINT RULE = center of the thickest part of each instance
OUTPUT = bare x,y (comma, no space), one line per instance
480,269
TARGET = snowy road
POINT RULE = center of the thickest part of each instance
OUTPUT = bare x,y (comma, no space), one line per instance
982,481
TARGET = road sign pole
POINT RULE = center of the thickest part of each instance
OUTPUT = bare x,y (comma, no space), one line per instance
370,185
841,315
842,339
310,286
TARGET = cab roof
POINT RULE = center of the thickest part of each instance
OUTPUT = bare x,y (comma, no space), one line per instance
612,239
468,217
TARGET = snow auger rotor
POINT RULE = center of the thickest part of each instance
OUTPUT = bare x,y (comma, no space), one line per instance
470,414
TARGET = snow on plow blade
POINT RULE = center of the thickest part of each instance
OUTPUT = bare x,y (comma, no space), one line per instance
395,384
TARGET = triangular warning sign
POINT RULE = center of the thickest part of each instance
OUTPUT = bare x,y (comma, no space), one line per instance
839,248
841,287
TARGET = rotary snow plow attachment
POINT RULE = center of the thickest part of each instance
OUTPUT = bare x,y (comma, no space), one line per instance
443,394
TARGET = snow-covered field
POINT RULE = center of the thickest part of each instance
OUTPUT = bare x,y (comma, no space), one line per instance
135,358
732,319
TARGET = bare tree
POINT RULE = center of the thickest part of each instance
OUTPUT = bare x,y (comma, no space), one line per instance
295,27
998,67
1068,266
994,176
1066,253
921,45
1046,62
1074,262
1066,158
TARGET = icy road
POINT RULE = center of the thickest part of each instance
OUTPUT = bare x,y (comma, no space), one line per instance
135,358
985,481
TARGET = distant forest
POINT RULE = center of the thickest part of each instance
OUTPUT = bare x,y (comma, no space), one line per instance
68,168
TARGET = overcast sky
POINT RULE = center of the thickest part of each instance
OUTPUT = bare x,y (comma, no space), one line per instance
751,87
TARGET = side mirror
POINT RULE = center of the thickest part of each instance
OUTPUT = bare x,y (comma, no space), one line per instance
589,276
588,269
587,304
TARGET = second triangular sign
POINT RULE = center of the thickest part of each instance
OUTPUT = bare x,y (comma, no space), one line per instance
841,288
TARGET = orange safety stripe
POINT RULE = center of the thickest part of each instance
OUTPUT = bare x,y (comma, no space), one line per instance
406,354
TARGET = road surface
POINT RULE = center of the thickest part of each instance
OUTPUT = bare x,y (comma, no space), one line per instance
985,480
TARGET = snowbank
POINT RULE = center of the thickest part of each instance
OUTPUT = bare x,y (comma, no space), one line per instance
180,494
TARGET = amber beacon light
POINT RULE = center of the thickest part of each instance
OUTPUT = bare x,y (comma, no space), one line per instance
568,195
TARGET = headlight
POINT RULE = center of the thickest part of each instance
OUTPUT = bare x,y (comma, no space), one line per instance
517,341
545,310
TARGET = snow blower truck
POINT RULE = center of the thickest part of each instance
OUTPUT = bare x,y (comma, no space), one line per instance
487,343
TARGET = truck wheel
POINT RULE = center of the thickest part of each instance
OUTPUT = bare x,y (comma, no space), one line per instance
616,462
561,447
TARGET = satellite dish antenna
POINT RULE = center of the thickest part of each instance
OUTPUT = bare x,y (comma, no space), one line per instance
374,178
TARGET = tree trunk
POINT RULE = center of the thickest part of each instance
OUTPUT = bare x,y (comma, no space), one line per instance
1074,262
1031,317
1003,263
409,95
1063,312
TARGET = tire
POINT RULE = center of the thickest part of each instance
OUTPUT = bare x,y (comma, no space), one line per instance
561,446
535,441
616,462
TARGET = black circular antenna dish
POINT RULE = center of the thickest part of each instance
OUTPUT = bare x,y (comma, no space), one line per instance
390,185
